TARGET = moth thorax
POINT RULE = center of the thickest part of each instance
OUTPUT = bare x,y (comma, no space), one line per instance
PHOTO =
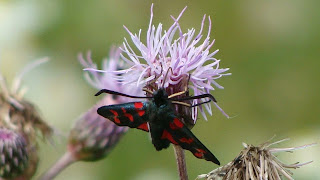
160,97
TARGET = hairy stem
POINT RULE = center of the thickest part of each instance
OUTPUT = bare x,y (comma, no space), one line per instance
181,162
61,164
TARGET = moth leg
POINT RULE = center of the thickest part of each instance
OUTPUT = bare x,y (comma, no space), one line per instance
147,90
181,103
177,94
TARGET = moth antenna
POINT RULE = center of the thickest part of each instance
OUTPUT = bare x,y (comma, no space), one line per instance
119,94
198,97
201,103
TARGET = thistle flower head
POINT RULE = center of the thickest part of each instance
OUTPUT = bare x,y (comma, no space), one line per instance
173,60
257,162
13,154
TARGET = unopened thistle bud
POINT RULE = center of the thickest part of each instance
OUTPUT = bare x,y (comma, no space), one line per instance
92,136
256,162
13,154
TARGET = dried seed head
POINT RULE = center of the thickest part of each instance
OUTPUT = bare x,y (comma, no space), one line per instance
256,162
13,154
92,136
27,121
21,116
18,114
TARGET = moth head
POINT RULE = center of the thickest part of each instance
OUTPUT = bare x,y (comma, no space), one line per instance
160,97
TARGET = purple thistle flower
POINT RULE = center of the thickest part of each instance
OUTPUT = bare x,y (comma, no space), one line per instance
169,62
110,80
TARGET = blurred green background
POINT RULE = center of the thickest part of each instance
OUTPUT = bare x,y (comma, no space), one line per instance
272,48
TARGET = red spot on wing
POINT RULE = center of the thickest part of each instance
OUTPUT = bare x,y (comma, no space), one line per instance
201,150
115,113
176,124
186,140
141,112
144,127
116,120
200,153
138,105
167,135
172,126
129,116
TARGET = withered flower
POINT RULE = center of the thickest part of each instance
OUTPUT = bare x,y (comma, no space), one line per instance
256,162
22,118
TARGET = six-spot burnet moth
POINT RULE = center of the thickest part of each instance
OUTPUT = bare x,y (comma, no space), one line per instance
157,117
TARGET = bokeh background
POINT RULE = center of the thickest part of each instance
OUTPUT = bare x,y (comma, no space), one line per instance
272,48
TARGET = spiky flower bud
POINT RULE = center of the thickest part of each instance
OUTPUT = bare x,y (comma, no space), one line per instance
13,154
92,136
256,162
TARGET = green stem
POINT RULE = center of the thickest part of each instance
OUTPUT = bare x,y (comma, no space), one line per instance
181,162
61,164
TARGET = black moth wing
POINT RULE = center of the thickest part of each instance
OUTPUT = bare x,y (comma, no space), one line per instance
178,133
131,114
